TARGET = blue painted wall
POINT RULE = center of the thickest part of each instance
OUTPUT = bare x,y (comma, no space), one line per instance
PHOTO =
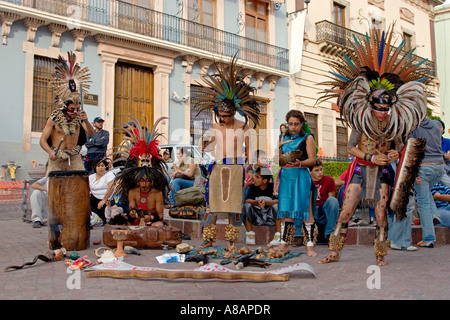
93,61
12,89
12,85
231,15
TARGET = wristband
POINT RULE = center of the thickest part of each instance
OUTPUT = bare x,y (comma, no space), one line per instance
372,157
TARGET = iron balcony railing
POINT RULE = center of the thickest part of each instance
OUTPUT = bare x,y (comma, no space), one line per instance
333,33
129,17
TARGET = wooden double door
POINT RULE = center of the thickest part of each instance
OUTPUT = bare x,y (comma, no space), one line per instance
133,96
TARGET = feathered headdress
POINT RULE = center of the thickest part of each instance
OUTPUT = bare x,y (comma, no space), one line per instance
376,72
143,145
70,82
226,91
143,159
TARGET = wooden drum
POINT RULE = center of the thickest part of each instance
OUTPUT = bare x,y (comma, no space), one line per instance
69,210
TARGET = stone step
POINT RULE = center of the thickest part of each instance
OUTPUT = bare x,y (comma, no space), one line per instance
356,235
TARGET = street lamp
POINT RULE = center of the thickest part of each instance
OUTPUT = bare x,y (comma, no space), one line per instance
307,2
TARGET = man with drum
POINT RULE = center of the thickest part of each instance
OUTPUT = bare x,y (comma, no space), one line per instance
62,137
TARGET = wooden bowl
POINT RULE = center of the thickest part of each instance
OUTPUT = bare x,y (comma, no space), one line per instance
289,157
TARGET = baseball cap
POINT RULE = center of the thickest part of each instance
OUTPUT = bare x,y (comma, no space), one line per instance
96,119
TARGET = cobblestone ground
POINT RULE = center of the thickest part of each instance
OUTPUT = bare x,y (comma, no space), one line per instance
419,275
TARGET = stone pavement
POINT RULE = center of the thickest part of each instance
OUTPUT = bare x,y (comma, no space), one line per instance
420,275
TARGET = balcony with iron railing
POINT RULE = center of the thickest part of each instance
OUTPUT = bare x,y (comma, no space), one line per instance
337,36
124,16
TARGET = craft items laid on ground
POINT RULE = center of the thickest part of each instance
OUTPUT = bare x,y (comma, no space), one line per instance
55,255
266,255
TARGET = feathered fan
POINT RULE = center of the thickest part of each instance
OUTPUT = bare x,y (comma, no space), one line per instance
227,91
69,79
375,67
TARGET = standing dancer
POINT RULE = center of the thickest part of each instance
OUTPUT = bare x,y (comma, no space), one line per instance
296,191
381,96
62,137
226,93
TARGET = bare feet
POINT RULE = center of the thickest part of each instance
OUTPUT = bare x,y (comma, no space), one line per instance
206,244
380,261
231,247
283,248
332,257
310,251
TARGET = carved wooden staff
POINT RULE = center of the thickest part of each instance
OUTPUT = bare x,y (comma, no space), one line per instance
179,274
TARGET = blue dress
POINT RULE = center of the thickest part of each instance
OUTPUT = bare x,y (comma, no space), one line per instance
295,184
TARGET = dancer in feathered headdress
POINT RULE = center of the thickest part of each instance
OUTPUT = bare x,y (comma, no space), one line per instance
143,180
226,93
381,93
70,81
62,138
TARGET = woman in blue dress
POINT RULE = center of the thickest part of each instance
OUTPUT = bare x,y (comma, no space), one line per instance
296,189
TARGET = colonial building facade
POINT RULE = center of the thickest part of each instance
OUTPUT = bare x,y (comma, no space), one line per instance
144,56
442,25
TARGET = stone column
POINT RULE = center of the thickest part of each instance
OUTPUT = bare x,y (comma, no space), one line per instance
161,99
108,85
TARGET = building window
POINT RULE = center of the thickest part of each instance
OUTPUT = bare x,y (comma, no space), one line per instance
201,26
341,140
256,26
256,13
377,26
311,119
43,95
202,11
339,14
299,5
136,16
200,122
148,4
408,41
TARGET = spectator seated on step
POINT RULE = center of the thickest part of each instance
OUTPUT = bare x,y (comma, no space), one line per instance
184,172
261,206
326,202
39,202
441,196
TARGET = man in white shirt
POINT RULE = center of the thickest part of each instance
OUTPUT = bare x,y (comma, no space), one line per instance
39,202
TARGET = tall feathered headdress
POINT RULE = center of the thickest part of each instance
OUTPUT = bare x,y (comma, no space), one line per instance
143,145
70,82
226,91
143,159
376,72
